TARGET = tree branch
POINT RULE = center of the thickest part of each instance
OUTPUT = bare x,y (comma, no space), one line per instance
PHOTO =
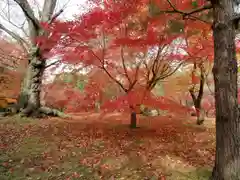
51,64
203,8
168,74
48,9
55,16
18,38
202,81
106,71
124,66
28,12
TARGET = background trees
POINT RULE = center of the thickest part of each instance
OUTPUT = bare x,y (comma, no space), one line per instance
135,45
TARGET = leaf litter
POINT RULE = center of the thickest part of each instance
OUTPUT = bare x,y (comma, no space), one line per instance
73,149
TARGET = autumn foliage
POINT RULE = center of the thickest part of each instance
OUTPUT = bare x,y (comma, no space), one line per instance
117,40
12,67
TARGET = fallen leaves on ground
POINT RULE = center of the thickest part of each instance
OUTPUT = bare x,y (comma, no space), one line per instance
106,149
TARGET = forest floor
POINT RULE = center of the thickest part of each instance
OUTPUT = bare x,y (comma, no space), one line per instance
87,148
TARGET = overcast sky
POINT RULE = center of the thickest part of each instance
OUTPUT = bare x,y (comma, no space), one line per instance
10,11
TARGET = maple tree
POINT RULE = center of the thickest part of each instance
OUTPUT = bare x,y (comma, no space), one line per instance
101,24
131,55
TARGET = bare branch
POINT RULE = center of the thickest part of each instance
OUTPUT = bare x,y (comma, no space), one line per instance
108,73
28,12
24,44
203,8
51,64
55,16
124,66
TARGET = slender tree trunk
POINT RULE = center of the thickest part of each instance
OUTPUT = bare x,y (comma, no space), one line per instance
133,117
227,158
197,99
200,113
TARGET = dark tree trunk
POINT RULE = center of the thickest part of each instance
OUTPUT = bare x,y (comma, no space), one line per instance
197,99
227,158
133,117
200,113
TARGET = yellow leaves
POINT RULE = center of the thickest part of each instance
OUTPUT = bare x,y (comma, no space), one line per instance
5,101
238,57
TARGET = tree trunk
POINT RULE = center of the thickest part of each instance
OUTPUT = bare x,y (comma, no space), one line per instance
227,158
31,102
198,99
23,96
200,113
36,69
133,117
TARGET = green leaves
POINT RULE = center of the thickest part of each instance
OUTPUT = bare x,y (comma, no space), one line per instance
195,4
80,85
239,69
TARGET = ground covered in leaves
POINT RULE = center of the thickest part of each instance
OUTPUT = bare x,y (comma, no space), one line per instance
89,149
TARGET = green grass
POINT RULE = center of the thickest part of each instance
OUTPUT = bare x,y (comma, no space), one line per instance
57,152
17,121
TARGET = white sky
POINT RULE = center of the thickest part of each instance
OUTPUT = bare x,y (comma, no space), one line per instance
10,11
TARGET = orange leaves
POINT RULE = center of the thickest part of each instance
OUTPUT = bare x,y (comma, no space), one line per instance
12,68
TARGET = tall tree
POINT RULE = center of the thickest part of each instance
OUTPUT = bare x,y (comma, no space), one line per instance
225,78
131,54
29,101
227,162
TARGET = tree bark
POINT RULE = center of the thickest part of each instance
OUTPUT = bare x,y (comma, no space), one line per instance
200,113
36,69
227,158
198,99
133,123
25,86
133,117
29,100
